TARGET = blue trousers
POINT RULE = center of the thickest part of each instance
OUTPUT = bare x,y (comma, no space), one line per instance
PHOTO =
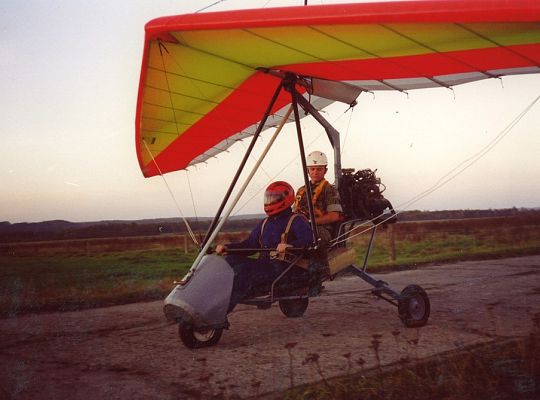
250,273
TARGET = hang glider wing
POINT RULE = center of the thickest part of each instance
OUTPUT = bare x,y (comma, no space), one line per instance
205,84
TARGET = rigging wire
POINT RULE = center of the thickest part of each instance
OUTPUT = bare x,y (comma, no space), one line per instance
347,131
194,207
286,165
254,159
452,174
210,5
190,231
464,165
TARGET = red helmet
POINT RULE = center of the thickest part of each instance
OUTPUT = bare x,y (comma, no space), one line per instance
278,197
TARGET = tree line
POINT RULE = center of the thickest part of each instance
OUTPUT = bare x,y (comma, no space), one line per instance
65,230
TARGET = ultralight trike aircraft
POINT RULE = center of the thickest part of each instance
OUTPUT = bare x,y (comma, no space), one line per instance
211,79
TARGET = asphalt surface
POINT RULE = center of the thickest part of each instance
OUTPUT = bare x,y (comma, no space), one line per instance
131,352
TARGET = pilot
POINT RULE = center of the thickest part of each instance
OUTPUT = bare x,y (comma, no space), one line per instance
325,198
280,230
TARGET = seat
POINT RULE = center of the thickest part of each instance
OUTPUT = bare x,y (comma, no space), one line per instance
340,258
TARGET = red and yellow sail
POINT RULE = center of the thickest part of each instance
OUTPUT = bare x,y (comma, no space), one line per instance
202,86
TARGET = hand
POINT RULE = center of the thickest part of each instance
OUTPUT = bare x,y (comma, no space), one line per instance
281,247
221,249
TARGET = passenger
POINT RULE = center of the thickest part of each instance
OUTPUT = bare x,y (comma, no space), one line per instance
280,230
327,206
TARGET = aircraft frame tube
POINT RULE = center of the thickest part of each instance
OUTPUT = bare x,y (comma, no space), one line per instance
242,165
240,193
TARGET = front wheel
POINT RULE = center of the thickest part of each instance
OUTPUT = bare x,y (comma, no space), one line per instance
197,338
413,306
294,308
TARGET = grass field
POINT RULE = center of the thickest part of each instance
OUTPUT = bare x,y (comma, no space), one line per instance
417,243
77,278
70,282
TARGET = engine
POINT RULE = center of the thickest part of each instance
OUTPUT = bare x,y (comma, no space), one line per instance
361,196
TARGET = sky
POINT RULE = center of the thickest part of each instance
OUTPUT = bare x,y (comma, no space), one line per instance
69,79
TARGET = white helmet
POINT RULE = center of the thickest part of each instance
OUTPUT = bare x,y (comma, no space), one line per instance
316,158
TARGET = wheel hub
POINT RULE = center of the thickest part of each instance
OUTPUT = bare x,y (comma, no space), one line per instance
417,308
203,335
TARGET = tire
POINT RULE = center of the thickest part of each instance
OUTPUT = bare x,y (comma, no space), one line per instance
414,306
195,339
294,308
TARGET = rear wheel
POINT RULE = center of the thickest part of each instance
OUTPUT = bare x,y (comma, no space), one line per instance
413,306
197,338
294,308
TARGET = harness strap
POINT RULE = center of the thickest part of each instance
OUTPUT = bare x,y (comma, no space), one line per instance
285,233
319,189
262,229
286,257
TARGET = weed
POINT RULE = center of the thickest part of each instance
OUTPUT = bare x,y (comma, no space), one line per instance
375,345
313,358
289,347
347,357
504,370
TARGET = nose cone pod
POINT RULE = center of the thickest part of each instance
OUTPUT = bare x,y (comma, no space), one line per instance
203,300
